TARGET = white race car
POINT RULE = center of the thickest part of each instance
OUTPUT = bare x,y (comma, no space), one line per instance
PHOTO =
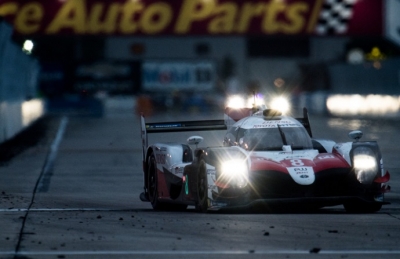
265,159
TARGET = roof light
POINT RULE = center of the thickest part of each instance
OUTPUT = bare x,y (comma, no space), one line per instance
271,113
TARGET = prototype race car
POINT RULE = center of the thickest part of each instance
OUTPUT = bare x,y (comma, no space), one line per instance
266,159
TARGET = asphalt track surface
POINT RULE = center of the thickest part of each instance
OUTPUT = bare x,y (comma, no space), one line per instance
76,195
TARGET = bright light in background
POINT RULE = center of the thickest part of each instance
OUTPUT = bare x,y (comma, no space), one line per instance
237,101
31,111
28,46
363,105
281,104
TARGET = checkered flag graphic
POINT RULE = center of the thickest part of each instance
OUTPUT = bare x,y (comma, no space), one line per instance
334,17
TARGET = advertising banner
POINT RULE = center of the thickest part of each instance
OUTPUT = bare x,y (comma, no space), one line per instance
194,17
167,76
111,77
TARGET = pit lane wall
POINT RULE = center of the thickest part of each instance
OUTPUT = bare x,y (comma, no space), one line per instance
19,106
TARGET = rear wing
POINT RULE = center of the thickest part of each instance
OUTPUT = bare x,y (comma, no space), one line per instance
176,126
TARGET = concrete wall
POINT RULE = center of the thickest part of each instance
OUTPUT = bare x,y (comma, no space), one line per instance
17,115
19,106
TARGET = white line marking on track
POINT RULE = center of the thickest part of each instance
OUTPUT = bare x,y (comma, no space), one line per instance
46,175
217,252
61,209
57,140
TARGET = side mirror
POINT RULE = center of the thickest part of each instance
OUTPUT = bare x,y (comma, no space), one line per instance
194,140
356,135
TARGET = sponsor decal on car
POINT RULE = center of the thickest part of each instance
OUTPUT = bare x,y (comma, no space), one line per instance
274,124
300,173
211,171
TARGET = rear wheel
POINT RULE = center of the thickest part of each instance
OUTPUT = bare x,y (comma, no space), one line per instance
153,183
202,188
153,189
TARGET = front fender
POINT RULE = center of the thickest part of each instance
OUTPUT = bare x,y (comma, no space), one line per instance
343,149
350,149
347,150
169,154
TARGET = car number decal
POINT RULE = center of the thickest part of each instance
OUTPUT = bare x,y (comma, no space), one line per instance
296,162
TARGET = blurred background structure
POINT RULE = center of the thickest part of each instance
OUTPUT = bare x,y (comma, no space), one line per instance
336,57
19,102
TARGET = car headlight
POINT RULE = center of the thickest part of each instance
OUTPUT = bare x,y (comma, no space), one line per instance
236,102
365,165
281,104
235,172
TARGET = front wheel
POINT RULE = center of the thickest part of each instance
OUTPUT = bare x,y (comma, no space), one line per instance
202,188
153,183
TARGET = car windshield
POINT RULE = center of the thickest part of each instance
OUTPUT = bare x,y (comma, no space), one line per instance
271,138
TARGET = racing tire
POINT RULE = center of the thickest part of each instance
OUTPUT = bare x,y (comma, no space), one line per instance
153,184
153,189
362,207
202,188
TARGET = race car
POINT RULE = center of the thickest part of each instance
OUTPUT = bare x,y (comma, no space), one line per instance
265,160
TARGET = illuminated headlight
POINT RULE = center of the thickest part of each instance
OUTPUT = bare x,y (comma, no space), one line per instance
236,102
235,172
281,104
365,165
